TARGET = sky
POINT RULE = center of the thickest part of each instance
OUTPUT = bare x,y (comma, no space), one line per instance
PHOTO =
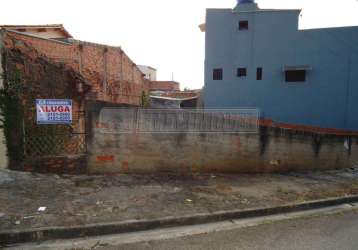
161,33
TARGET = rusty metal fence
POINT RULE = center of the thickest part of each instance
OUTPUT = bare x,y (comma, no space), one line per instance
41,141
55,145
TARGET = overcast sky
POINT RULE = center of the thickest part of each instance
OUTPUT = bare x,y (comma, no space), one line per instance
161,33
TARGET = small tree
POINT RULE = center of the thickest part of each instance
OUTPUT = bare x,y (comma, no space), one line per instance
145,100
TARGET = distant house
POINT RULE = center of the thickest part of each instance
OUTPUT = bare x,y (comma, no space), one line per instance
173,102
259,58
149,72
177,99
50,31
164,86
155,85
167,94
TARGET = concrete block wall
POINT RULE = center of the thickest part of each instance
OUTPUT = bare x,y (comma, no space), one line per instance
354,153
187,153
266,151
3,155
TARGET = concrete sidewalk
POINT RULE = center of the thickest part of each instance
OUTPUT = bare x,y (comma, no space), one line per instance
74,201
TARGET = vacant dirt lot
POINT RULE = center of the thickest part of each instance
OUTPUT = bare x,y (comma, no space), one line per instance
78,200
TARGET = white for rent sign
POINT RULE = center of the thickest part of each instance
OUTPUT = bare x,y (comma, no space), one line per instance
54,111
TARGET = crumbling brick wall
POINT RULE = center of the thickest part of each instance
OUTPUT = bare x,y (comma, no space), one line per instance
3,154
75,70
112,75
41,78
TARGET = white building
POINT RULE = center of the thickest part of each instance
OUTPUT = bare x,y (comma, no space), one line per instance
150,72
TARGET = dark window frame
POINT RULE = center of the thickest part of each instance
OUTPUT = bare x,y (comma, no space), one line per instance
296,75
244,25
241,72
259,74
218,74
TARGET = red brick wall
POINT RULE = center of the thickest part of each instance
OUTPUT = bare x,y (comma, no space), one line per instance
112,75
164,86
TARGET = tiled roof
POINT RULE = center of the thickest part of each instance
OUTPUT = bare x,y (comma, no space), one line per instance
45,26
180,94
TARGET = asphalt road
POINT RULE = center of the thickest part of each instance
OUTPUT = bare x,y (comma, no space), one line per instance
336,232
335,229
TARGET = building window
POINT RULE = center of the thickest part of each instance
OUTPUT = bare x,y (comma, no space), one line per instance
243,25
295,75
241,72
259,74
217,74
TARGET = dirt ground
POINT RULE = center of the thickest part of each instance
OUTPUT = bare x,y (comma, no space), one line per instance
79,200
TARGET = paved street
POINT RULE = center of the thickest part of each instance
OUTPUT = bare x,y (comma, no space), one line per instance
335,228
333,232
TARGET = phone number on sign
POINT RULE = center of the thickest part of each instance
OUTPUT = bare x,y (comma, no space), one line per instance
59,116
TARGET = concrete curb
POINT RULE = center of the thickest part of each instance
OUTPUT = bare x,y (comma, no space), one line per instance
52,233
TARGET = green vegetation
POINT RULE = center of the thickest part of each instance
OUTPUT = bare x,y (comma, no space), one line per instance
145,100
12,115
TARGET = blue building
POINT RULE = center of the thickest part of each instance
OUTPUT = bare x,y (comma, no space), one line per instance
259,58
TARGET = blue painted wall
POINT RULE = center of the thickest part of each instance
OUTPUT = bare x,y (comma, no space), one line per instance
328,98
